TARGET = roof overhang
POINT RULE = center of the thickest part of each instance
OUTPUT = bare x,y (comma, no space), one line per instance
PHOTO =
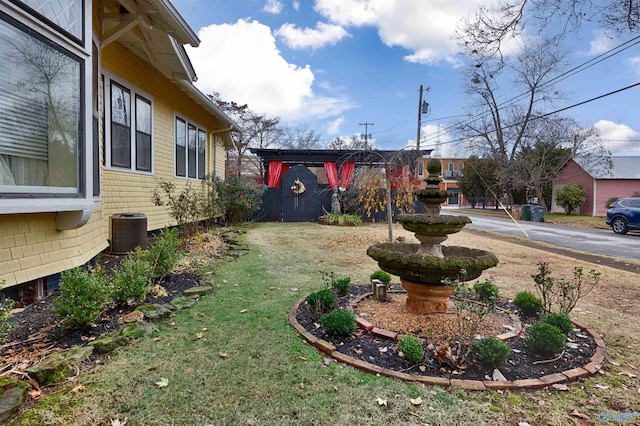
317,157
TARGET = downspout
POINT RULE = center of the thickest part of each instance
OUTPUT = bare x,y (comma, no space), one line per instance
595,196
212,133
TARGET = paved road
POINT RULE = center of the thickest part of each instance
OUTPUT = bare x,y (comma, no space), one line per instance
598,241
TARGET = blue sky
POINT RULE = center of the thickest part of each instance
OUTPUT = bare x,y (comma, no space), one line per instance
334,64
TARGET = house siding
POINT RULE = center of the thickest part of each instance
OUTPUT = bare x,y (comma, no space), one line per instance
31,246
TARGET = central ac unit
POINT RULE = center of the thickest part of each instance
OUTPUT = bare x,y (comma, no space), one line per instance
128,231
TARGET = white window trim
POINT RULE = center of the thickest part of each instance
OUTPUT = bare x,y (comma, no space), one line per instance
82,198
206,147
133,90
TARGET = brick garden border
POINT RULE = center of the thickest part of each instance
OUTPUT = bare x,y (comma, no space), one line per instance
329,349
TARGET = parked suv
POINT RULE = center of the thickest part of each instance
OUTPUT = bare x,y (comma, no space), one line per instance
624,215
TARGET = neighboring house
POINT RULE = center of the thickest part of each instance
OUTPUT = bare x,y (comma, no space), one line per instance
600,182
96,104
452,168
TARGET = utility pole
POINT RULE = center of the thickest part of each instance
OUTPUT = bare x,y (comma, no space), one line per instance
423,108
366,132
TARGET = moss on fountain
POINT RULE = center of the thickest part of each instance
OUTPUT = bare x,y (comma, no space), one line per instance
404,261
432,225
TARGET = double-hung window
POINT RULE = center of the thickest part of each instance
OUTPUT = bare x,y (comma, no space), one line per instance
190,149
43,125
129,126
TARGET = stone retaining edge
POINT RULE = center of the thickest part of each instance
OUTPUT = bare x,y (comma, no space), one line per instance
536,383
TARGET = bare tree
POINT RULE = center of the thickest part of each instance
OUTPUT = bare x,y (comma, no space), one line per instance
498,129
492,27
299,137
351,142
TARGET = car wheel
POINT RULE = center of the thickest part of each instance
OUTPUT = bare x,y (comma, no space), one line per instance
619,225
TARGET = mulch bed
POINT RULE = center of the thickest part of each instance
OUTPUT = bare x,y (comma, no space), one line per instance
383,352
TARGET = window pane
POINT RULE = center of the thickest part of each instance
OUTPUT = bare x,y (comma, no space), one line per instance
181,138
202,153
192,151
40,113
120,126
143,134
67,14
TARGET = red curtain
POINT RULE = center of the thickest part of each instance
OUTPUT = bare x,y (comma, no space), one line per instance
276,170
332,173
346,173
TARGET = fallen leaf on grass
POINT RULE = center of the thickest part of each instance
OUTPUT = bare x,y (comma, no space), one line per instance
223,354
163,383
603,387
152,368
560,387
78,388
301,385
35,393
203,329
628,373
117,422
382,402
416,401
199,335
576,413
327,361
243,311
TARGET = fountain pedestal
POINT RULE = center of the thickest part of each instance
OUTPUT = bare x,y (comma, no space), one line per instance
427,298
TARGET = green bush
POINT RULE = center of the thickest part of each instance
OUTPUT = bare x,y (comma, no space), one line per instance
492,351
187,207
381,275
412,348
234,199
342,219
486,291
570,197
339,322
132,278
341,286
562,321
320,302
84,295
164,252
544,339
528,303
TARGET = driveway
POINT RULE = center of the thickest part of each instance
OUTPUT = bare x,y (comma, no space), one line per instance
596,241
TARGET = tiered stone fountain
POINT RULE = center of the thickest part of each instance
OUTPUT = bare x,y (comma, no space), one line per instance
422,267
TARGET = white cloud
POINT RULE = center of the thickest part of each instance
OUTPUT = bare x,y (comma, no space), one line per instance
634,63
242,63
427,31
273,6
601,43
333,128
322,35
296,5
618,137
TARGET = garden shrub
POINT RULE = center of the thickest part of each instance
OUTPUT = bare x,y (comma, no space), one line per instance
84,295
132,278
320,302
492,351
339,322
234,199
341,286
545,339
562,321
561,295
342,219
411,348
381,275
528,303
164,252
486,291
186,207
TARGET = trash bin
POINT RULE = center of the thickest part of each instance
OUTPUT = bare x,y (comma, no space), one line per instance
516,212
526,212
537,213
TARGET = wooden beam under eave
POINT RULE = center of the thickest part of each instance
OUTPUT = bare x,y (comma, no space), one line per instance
118,31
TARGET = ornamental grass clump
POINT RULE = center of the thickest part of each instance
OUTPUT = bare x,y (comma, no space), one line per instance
84,295
545,339
411,348
164,252
339,322
528,303
562,321
492,351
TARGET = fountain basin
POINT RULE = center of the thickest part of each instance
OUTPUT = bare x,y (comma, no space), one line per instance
405,261
432,225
